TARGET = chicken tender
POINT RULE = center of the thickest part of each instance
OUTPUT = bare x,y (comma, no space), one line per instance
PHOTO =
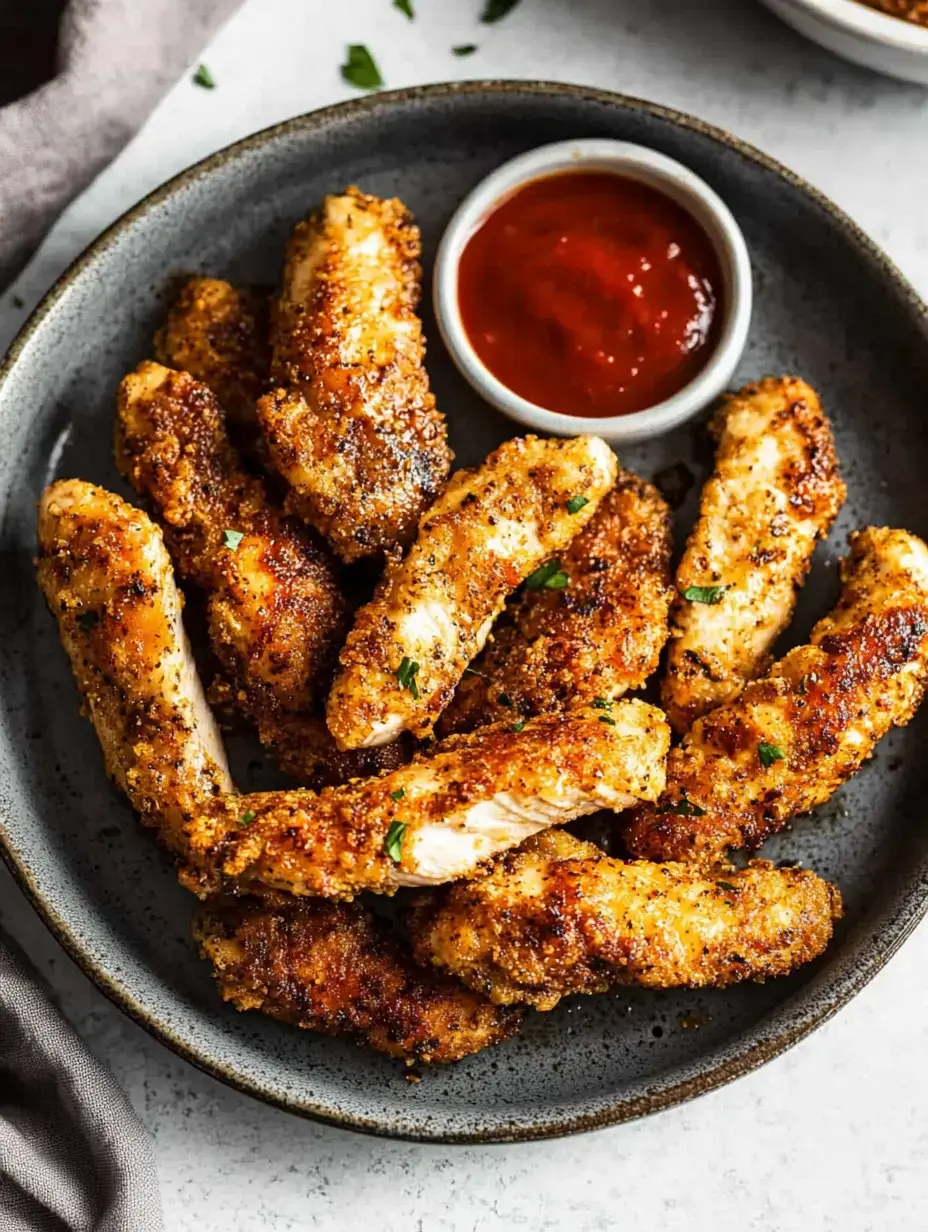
108,580
432,611
220,335
354,428
306,749
439,817
774,492
791,739
594,640
331,967
275,610
558,917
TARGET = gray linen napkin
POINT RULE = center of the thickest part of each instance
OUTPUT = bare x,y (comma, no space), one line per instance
110,62
73,1155
76,81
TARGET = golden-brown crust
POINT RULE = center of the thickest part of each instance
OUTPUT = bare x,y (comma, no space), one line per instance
220,334
470,798
331,967
353,426
558,917
108,580
823,707
305,748
275,609
598,638
488,530
775,490
906,10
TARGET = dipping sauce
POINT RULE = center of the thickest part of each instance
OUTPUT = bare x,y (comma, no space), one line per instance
591,294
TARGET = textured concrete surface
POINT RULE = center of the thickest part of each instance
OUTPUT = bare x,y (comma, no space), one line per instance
832,1136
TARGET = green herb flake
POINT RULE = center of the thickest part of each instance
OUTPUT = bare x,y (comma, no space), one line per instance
496,10
464,49
203,77
548,576
247,818
504,700
769,753
360,69
684,807
727,885
232,538
472,671
601,703
704,594
604,718
517,727
405,7
398,794
393,843
87,620
576,503
406,676
18,301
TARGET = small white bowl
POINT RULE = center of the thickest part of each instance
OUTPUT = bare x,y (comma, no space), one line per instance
863,35
647,166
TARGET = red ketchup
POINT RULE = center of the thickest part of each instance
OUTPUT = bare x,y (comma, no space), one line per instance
591,294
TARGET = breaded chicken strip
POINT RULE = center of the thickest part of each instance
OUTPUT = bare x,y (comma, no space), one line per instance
774,492
331,967
791,739
220,335
437,818
558,917
354,428
306,749
597,638
432,611
108,580
275,610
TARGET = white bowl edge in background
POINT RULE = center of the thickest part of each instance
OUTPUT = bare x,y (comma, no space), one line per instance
860,34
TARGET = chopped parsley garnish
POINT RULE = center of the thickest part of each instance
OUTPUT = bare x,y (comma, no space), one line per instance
576,503
464,49
727,885
203,77
87,620
472,671
247,818
604,718
601,703
398,794
405,7
517,727
704,594
232,538
360,69
496,10
504,700
393,843
769,753
685,807
406,676
18,301
548,576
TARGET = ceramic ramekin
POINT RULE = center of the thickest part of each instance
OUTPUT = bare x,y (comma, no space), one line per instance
861,34
647,166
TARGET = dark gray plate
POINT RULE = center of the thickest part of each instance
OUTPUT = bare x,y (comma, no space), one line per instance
829,306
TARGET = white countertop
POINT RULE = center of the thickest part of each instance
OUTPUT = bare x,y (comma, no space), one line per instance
834,1135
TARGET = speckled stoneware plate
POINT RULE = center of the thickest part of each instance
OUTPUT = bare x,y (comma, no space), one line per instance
829,306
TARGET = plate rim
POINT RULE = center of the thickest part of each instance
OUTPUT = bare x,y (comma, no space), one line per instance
911,906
